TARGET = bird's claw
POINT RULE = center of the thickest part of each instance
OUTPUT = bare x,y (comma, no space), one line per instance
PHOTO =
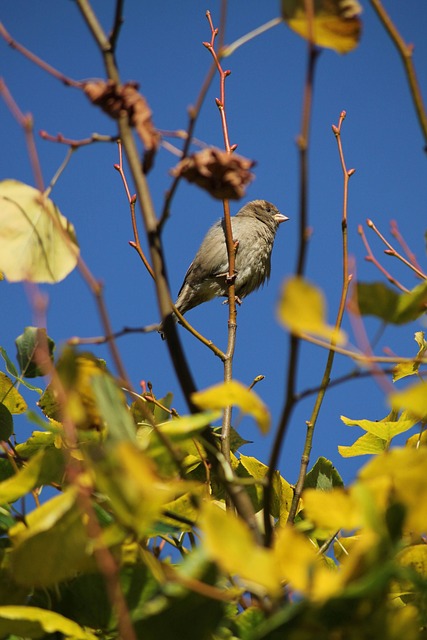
237,300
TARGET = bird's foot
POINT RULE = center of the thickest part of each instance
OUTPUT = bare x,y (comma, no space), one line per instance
228,279
237,300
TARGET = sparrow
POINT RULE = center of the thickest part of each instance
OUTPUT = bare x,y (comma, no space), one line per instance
254,229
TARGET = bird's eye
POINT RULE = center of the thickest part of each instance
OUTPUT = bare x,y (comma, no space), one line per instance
268,209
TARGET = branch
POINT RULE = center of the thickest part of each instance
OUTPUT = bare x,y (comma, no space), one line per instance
38,61
405,51
185,378
294,341
391,251
329,363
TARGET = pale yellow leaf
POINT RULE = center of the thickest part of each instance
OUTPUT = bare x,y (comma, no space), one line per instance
300,565
336,24
34,622
404,369
302,309
400,475
229,542
37,243
234,393
413,399
332,510
384,429
414,556
367,444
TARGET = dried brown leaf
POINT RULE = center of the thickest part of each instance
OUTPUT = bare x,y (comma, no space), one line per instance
115,100
222,174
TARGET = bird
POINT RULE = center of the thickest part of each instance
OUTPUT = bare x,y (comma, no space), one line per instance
254,230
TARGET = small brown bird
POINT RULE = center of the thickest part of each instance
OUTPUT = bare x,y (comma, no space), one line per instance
254,229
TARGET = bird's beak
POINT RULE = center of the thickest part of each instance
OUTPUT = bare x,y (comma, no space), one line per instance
279,217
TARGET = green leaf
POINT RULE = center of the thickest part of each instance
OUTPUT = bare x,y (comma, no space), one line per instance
37,243
323,476
236,440
336,24
180,613
45,467
10,367
31,622
376,299
6,423
39,440
6,469
112,409
31,351
136,492
53,543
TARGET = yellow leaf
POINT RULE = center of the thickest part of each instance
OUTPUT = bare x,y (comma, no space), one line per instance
9,396
367,444
400,475
384,430
136,492
332,510
413,399
52,544
229,542
187,427
336,24
301,565
404,369
34,622
36,242
414,556
230,393
302,310
44,467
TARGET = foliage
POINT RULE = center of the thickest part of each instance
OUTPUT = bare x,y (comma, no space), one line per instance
157,525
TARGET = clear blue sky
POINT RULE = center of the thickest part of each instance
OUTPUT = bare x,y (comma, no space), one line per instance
160,47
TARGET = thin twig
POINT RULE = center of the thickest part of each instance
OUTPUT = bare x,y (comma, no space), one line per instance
138,248
117,24
311,423
391,251
294,341
231,48
26,122
38,61
193,114
231,246
395,232
405,51
371,258
184,375
95,137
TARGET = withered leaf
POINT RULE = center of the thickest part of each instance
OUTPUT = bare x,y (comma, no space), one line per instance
222,174
115,100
